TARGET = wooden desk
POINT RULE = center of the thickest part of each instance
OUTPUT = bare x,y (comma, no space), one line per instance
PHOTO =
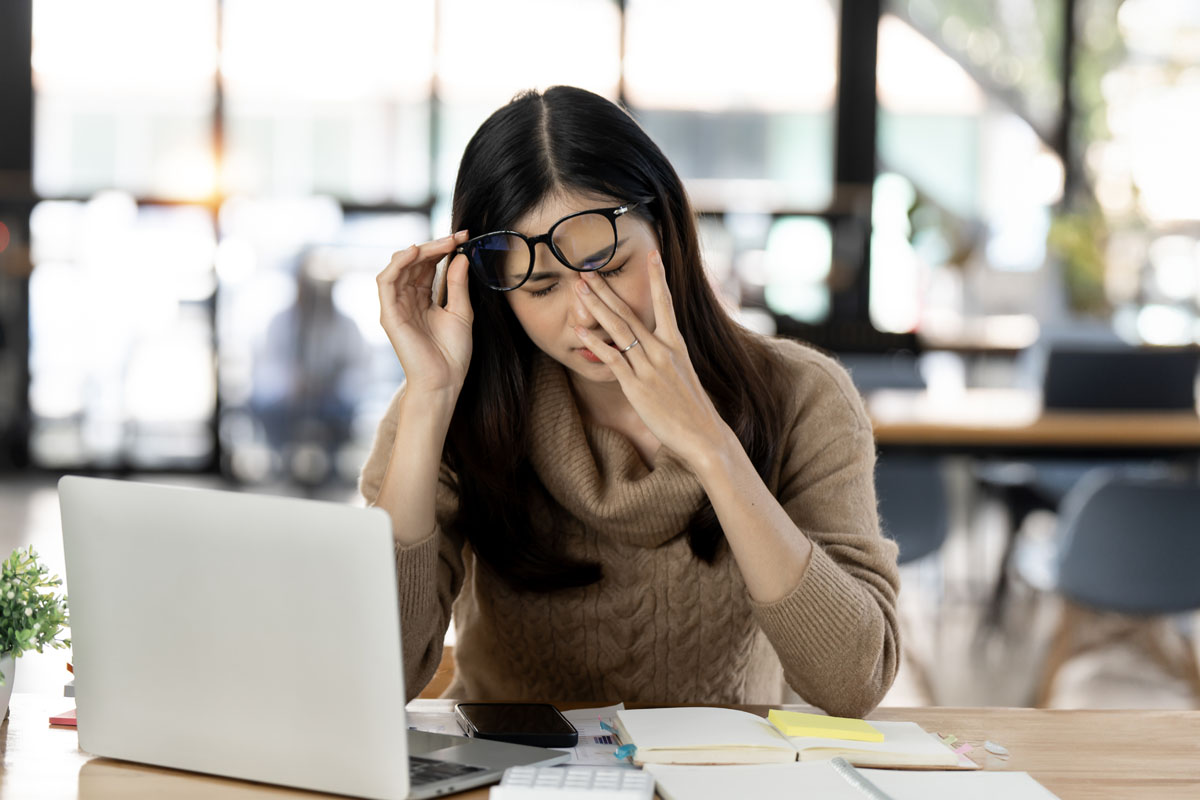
1012,419
1078,755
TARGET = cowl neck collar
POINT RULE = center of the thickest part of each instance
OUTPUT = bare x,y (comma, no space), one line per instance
596,474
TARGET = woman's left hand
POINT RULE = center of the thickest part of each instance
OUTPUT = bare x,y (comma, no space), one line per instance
656,375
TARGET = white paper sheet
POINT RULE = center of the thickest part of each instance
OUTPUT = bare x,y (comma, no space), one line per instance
819,780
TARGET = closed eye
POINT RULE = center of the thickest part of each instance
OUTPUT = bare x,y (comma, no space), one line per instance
610,273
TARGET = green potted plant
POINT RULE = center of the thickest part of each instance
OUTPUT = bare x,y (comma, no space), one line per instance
31,615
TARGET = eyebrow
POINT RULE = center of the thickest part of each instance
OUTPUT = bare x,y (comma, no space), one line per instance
614,251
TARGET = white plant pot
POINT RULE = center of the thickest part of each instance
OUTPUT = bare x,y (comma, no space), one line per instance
8,666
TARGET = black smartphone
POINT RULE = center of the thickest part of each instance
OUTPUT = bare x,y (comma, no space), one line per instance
537,724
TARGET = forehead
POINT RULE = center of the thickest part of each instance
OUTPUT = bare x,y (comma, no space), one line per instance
558,205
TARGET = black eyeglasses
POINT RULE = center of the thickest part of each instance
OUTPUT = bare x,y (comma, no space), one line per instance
584,242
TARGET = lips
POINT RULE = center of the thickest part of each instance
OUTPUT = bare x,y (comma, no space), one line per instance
588,355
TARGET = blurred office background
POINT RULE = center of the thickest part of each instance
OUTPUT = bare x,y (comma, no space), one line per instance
195,197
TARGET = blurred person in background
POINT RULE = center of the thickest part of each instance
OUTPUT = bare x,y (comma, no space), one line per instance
308,367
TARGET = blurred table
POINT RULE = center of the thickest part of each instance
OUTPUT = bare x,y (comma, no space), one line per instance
1078,755
992,420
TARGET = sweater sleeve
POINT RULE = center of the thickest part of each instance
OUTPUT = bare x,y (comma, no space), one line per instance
429,574
836,633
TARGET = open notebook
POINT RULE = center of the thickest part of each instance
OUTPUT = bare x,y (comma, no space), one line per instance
729,736
820,780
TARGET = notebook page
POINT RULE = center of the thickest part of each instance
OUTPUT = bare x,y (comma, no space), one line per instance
817,780
901,738
981,785
699,728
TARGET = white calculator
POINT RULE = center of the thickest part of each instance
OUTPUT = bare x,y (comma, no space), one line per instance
574,783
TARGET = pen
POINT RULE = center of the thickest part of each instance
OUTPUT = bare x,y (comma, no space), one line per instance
858,780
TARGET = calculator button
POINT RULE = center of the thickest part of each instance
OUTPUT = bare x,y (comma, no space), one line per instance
573,783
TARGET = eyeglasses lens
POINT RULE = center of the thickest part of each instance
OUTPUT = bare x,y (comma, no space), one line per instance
501,260
587,241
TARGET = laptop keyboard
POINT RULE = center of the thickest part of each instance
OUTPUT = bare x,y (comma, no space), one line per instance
427,770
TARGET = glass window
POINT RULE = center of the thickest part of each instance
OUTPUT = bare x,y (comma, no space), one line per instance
968,181
1011,48
121,357
780,264
739,96
797,260
717,56
488,51
124,97
1140,76
326,97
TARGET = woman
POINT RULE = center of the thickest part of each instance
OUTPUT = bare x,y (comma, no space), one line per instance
623,495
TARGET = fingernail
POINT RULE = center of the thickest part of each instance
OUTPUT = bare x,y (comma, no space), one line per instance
584,288
658,258
460,234
580,332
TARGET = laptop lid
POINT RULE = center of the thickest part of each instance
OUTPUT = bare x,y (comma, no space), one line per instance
246,636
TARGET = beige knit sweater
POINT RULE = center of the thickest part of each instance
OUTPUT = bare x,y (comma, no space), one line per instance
663,626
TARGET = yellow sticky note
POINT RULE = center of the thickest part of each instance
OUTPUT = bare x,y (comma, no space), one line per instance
795,723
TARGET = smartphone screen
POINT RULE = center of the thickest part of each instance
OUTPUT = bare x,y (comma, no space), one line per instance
538,724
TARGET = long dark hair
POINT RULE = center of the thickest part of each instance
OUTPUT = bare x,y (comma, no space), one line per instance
537,145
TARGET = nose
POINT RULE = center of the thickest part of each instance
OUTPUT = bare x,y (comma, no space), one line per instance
578,313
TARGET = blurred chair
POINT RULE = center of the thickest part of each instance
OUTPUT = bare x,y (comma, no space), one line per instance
1097,376
1129,545
910,487
913,512
1126,378
871,371
913,504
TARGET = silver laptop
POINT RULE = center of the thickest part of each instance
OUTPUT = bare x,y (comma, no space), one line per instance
251,637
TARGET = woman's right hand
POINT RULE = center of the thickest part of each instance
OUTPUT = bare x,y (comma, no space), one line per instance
433,343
